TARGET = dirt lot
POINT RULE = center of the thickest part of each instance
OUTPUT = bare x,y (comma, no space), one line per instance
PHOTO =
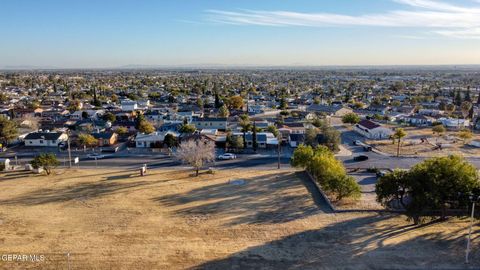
168,220
412,144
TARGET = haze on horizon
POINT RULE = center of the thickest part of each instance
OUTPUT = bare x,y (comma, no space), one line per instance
116,33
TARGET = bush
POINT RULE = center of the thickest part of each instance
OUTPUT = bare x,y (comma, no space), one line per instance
350,118
327,171
344,186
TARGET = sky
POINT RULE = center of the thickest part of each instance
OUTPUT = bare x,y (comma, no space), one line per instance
116,33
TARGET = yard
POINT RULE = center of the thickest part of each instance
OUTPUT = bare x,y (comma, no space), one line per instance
233,219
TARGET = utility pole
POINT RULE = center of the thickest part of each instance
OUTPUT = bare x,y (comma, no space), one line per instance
467,252
69,152
278,151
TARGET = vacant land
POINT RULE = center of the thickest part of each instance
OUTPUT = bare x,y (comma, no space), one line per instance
412,144
169,220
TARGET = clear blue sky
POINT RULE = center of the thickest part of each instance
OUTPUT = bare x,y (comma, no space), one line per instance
111,33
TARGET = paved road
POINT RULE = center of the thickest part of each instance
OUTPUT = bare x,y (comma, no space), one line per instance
160,161
267,159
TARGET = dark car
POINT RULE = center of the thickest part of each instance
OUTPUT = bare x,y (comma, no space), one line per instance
360,158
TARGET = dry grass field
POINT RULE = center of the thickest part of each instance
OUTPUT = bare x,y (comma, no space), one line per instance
412,144
169,220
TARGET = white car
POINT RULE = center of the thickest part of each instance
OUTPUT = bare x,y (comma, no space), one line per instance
227,156
95,156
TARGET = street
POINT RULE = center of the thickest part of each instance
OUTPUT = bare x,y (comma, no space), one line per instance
262,159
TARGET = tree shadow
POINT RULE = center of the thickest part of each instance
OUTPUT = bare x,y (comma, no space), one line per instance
71,192
362,243
272,198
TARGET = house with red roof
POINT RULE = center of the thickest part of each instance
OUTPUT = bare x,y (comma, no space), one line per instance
372,130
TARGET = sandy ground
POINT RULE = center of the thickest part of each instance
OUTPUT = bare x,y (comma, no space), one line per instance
169,220
412,145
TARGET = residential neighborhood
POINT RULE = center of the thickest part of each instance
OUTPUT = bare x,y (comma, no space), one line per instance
218,135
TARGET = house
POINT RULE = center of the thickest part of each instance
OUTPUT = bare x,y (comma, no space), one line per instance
261,140
452,123
210,123
372,130
419,120
380,109
128,105
291,128
105,138
152,140
45,138
294,140
332,110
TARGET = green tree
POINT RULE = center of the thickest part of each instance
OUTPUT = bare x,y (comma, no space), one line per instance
351,118
302,156
273,129
46,161
235,102
450,108
8,131
465,108
319,123
121,131
398,135
345,186
146,127
326,170
87,140
311,136
283,103
186,128
109,117
223,111
431,185
234,142
246,126
170,140
330,138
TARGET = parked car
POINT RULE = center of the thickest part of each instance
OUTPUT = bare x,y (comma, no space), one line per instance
360,158
95,156
227,156
382,173
367,148
357,142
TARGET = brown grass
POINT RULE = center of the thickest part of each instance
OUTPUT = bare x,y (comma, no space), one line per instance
169,220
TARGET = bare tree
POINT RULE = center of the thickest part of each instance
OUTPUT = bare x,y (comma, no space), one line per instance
196,152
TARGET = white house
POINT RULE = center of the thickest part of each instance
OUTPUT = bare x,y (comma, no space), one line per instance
154,139
372,130
453,123
128,105
45,138
210,123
